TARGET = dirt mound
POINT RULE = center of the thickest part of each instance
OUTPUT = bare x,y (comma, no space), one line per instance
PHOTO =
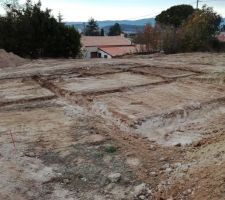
10,59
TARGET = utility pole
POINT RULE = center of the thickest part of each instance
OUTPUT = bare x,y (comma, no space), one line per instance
197,3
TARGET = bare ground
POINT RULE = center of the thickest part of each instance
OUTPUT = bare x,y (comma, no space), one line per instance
141,127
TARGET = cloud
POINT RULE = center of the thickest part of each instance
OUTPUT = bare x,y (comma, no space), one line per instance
74,11
77,10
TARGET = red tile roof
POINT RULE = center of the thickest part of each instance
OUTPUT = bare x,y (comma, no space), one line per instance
118,51
100,41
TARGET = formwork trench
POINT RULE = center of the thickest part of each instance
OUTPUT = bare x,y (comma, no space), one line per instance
104,129
159,112
171,112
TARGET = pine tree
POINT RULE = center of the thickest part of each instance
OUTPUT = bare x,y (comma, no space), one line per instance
92,28
115,30
102,32
60,17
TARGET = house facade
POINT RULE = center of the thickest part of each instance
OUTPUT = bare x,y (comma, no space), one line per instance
221,37
106,46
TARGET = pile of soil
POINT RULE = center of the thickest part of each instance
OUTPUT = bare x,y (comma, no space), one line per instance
10,59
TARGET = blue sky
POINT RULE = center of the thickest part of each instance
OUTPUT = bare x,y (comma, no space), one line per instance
82,10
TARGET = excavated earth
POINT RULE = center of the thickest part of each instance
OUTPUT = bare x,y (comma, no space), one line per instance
139,127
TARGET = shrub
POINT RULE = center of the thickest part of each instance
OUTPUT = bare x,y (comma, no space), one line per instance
198,32
110,149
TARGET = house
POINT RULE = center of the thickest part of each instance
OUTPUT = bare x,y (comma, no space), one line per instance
106,46
221,37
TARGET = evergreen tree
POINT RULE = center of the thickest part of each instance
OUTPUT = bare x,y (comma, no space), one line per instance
92,29
115,30
175,15
102,32
32,32
59,17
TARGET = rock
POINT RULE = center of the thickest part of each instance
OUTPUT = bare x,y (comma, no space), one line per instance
139,123
107,159
178,145
142,197
128,154
110,186
96,139
84,179
153,173
66,180
177,165
104,181
136,136
163,183
185,168
162,159
168,170
30,154
139,189
114,177
149,191
152,147
133,162
164,167
189,191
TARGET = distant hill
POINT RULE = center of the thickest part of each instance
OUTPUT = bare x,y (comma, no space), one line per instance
131,26
223,23
128,26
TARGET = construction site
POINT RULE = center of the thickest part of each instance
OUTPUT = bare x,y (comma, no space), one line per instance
141,127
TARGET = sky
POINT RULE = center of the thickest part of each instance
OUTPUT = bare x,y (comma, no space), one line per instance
82,10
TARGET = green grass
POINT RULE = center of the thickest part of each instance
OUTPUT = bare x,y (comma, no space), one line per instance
110,149
98,155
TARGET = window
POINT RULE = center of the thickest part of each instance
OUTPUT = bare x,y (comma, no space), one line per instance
105,56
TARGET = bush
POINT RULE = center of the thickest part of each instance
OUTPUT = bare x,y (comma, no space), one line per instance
110,149
198,32
149,40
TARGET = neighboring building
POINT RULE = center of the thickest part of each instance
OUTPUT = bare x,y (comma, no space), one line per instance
221,37
106,46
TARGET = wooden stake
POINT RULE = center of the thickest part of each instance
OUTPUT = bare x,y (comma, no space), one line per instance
14,145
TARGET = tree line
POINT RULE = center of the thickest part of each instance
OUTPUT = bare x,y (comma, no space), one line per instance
92,29
29,31
182,29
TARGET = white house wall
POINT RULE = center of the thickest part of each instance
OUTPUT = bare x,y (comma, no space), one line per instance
103,54
88,50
